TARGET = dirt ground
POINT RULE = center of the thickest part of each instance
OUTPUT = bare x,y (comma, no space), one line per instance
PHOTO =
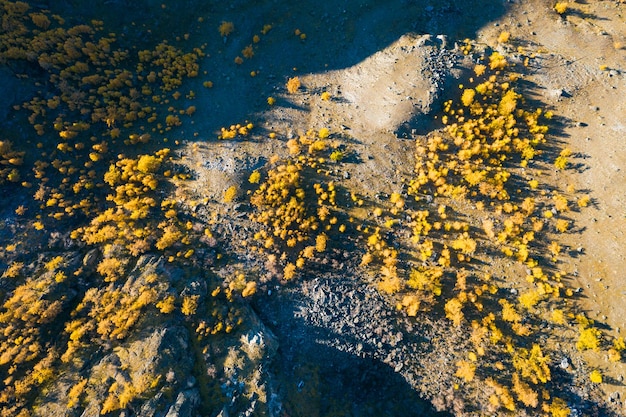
388,66
366,57
580,72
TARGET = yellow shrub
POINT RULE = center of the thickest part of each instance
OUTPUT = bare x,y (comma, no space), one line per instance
170,236
255,177
468,97
390,284
324,133
560,7
559,408
293,85
320,242
111,269
75,393
411,304
166,305
595,376
589,338
110,404
465,244
560,162
230,194
465,370
148,164
454,311
530,298
562,225
584,201
426,279
508,312
226,28
497,61
190,304
249,290
525,394
532,364
479,69
290,271
504,37
54,263
13,270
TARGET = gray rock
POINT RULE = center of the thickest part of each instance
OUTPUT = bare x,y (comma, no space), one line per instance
185,404
91,258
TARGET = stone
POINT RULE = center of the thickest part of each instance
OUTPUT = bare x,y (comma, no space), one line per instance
185,404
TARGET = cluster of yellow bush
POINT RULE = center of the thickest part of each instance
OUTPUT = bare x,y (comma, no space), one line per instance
234,131
474,195
98,93
35,303
295,213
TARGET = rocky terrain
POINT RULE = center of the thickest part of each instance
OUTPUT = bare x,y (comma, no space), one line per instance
303,209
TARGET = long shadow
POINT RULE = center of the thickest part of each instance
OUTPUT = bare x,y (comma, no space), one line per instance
327,364
339,34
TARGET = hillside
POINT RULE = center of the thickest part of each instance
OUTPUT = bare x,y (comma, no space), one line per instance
309,209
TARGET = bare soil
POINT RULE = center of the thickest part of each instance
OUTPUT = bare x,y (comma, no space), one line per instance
388,66
387,81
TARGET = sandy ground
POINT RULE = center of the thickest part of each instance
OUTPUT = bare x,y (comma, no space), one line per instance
367,57
387,81
583,55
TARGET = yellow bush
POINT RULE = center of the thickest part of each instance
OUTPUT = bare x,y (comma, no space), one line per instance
75,393
324,133
454,311
111,268
255,177
588,339
148,164
166,305
530,298
465,370
595,376
525,394
426,279
170,236
468,97
532,364
190,305
465,244
390,284
230,194
14,270
226,28
561,7
559,408
562,225
411,304
293,85
289,271
249,290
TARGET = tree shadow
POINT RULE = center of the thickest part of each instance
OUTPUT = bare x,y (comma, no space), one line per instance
326,363
339,35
